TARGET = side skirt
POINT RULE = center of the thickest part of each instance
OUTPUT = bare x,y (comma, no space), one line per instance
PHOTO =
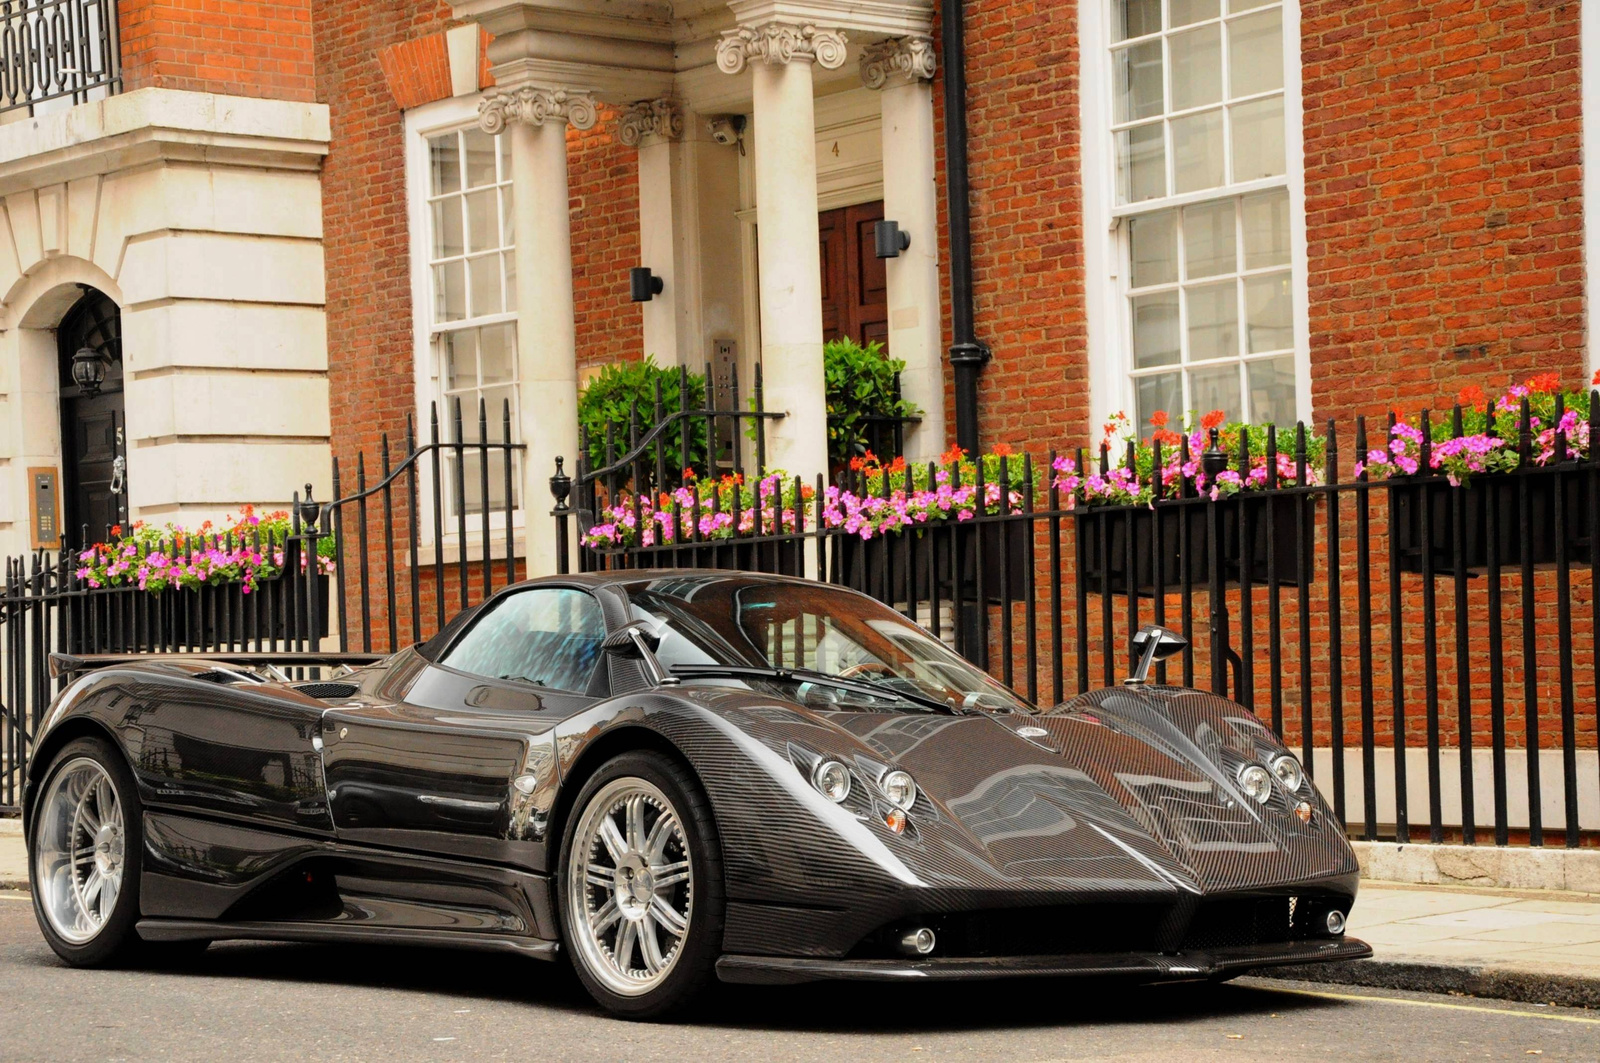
205,930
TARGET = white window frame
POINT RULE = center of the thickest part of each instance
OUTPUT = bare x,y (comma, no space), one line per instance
1110,339
430,120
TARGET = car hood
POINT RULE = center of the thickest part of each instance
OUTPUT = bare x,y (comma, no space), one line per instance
1129,789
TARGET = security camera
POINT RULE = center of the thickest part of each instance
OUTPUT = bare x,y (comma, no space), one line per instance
726,129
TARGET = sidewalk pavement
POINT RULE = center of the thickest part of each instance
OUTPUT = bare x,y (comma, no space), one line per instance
1535,946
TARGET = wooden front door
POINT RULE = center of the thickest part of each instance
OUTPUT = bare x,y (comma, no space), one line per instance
855,298
94,489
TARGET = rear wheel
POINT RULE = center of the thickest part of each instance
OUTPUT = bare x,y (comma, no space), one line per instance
641,894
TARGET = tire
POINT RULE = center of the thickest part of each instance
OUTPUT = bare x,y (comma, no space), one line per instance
682,917
88,784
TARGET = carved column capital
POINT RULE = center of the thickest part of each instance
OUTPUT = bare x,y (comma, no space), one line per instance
661,118
904,59
536,106
781,42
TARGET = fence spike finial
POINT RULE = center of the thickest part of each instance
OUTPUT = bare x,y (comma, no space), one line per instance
561,484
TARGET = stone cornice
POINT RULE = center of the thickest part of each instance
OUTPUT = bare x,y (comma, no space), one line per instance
902,59
536,106
661,118
781,42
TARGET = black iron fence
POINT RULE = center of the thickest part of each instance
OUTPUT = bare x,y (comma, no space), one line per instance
57,50
1428,648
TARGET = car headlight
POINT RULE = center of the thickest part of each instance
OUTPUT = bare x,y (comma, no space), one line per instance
1289,772
1256,783
899,789
832,780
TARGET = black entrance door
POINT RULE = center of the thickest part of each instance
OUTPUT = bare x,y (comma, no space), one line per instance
93,444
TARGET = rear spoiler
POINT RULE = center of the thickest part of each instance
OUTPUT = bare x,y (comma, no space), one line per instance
70,664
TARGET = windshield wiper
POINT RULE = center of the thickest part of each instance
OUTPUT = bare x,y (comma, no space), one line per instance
806,675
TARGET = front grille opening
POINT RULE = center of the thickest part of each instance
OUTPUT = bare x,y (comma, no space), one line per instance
1057,930
1238,922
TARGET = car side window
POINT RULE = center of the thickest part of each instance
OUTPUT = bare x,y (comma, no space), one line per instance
551,636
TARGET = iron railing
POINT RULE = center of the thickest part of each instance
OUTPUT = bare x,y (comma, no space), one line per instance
57,49
1466,711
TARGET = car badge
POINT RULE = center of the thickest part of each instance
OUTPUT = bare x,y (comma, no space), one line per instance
1033,732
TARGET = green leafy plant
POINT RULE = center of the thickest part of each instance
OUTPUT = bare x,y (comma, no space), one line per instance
620,388
860,384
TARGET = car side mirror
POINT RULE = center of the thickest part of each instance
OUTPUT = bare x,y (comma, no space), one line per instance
637,642
1153,643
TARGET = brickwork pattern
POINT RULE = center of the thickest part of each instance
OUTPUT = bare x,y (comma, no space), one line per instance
231,47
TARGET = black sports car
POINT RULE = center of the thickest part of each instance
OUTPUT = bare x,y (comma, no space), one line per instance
677,775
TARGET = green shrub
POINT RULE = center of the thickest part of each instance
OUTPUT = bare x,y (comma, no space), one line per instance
623,386
860,384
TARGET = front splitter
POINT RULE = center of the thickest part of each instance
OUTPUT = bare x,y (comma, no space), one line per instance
1142,966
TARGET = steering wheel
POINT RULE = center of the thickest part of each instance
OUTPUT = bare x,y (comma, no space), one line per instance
867,667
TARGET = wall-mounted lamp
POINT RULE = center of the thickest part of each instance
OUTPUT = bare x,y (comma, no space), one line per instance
89,368
889,241
643,285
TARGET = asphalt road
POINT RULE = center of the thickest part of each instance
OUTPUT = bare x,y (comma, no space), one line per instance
247,1002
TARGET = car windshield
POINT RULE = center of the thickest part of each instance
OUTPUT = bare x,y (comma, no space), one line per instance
717,620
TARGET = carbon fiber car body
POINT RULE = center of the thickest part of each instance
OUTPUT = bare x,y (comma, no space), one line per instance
412,802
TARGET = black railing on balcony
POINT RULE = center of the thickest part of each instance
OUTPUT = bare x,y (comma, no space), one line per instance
57,50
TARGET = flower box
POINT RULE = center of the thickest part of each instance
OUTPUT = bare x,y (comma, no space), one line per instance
1497,497
1106,529
878,566
784,556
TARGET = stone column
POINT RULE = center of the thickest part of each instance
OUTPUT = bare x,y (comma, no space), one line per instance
537,119
789,256
655,127
901,69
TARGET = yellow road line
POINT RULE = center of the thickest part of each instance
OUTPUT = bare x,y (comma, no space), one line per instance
14,895
1436,1004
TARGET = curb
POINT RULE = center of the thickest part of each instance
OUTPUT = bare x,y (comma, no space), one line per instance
1497,983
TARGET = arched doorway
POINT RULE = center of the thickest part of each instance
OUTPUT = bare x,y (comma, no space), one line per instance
94,489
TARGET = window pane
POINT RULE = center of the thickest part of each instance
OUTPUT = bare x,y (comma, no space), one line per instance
496,399
1272,390
1257,139
480,157
547,635
1134,18
450,291
1266,230
1255,53
499,347
1154,242
445,157
1138,87
1208,239
508,232
1213,322
1248,5
1216,389
447,228
483,227
510,261
485,274
1155,330
1183,12
1196,67
503,142
1197,151
1163,391
461,359
1269,313
1141,163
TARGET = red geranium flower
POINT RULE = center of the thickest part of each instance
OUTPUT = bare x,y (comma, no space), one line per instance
1213,419
1545,383
1003,450
1159,418
1471,395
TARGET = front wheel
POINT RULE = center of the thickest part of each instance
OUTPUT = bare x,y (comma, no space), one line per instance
642,893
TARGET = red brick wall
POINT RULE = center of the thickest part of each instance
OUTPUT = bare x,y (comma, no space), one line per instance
1443,198
1023,158
233,47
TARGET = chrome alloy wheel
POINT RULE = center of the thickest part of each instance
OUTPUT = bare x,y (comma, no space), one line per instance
80,850
630,887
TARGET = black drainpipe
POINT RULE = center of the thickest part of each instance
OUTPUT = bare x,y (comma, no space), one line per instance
967,354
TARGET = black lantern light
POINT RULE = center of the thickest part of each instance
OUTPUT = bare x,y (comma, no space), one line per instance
889,239
89,367
643,285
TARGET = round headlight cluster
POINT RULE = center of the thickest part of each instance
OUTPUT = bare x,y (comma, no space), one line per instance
899,789
832,780
1289,772
1255,782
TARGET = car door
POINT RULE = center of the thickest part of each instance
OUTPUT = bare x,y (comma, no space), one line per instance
460,760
